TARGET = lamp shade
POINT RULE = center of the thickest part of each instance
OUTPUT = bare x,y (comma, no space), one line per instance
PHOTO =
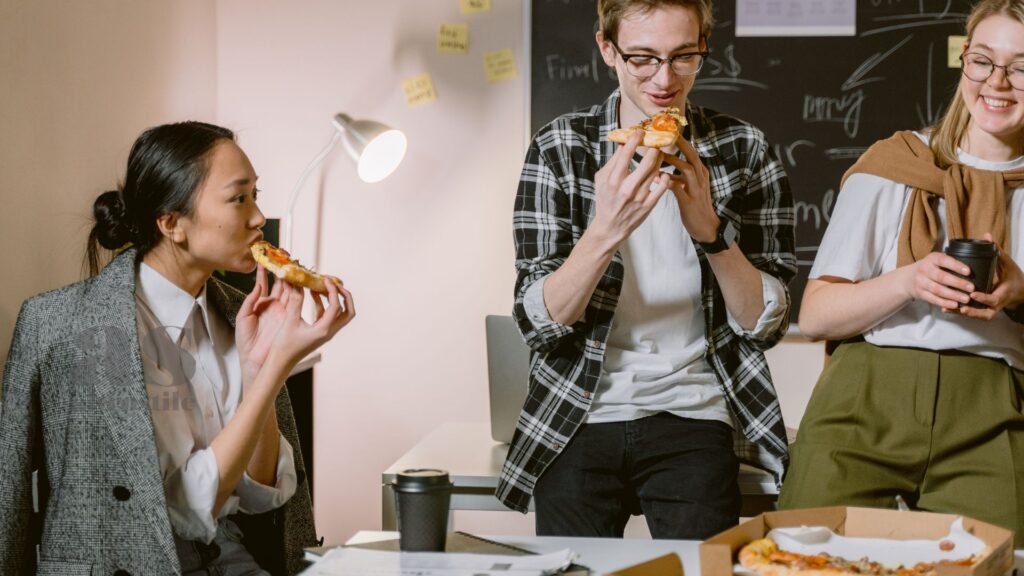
376,148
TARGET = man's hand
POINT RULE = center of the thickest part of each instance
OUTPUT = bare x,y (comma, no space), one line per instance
692,188
624,198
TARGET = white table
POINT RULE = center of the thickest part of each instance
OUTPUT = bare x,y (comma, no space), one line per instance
606,554
599,554
473,461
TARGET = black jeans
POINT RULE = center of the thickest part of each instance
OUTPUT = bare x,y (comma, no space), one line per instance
681,474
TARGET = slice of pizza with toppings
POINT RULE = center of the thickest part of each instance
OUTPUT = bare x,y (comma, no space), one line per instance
764,557
660,130
279,263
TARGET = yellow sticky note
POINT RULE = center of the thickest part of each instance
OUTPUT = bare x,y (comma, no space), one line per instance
500,65
419,90
453,37
471,6
955,48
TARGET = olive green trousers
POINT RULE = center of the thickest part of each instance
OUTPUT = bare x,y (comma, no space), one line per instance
944,430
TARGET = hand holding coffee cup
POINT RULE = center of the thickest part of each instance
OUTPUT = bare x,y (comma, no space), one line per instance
981,257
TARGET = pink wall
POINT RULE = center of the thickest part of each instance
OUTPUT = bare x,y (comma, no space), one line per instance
78,82
427,253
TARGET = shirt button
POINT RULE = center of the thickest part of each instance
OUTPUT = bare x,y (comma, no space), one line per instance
121,493
556,446
587,394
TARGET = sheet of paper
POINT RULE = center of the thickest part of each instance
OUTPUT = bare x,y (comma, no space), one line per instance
815,539
500,65
796,17
453,38
358,562
419,89
954,48
472,6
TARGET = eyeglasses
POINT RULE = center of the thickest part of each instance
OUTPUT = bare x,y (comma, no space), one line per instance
644,66
979,68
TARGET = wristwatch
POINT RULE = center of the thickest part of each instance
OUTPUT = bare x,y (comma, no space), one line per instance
725,237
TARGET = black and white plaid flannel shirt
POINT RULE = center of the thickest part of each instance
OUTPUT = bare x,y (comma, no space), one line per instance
554,205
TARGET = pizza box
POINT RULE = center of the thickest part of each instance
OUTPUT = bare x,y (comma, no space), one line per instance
718,553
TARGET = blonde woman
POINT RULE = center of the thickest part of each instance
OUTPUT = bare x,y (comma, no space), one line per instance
922,398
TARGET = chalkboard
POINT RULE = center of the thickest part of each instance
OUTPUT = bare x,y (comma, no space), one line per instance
821,100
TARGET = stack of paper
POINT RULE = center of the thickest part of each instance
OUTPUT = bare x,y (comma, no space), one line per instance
357,562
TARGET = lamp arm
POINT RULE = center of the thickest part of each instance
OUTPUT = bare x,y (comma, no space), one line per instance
298,187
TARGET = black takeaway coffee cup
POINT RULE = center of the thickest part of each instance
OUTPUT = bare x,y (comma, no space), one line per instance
981,257
421,498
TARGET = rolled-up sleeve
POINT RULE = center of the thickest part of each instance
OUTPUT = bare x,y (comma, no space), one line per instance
773,293
191,494
255,498
767,238
543,235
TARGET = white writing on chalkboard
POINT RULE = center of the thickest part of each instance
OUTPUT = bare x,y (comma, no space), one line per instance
785,152
815,213
845,109
559,68
723,74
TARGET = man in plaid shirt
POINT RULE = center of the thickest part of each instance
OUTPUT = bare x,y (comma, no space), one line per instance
648,312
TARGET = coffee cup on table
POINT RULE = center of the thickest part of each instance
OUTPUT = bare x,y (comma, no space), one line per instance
981,257
422,497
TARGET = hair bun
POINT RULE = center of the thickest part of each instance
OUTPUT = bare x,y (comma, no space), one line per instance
111,229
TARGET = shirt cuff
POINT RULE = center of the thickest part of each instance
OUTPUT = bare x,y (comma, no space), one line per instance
536,310
256,498
773,293
191,493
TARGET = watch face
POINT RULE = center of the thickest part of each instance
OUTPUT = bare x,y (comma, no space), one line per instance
728,233
725,238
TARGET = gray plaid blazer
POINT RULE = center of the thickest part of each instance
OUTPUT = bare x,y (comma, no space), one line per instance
75,408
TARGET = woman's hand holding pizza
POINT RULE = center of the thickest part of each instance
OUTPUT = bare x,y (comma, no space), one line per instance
624,198
692,189
271,325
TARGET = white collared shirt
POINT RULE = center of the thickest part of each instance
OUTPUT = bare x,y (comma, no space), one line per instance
193,393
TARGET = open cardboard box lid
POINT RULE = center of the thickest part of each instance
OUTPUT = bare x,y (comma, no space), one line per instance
718,553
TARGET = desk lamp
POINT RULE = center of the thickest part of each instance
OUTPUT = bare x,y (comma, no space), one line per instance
375,148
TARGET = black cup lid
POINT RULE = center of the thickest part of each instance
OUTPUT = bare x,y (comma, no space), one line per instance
421,480
966,247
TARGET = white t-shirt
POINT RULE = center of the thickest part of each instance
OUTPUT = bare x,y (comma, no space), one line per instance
860,243
654,360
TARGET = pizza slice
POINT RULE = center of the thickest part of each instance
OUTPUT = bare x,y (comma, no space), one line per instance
278,262
764,557
660,130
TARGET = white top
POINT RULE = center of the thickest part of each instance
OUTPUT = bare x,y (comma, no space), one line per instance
192,395
654,358
860,243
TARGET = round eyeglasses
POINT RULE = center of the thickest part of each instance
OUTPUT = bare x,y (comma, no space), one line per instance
644,66
979,68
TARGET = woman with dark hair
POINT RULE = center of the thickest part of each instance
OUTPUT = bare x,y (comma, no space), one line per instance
922,399
150,397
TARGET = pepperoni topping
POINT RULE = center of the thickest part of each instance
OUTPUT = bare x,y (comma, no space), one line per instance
664,123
